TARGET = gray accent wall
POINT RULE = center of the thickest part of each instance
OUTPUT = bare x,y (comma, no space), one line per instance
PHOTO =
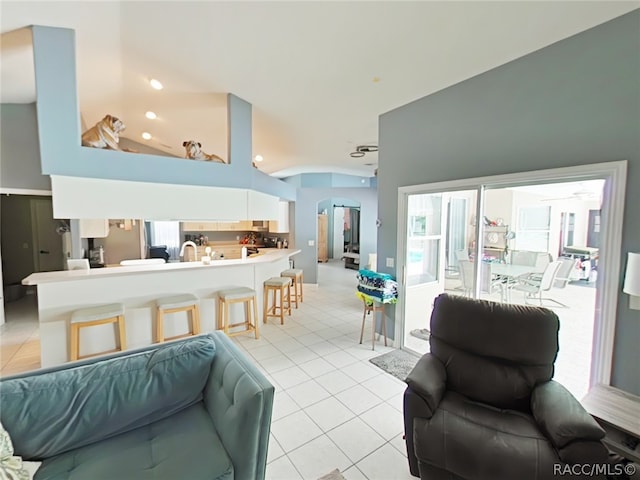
574,102
20,148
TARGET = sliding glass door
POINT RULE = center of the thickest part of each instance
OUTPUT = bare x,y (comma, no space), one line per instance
500,239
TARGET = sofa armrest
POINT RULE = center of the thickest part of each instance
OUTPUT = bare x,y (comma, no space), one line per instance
239,400
429,380
565,422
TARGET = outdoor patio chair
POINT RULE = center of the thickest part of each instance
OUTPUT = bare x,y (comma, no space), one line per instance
533,288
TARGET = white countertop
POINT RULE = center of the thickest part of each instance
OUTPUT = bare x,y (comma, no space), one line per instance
265,256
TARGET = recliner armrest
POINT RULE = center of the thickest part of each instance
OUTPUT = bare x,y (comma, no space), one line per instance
561,417
429,380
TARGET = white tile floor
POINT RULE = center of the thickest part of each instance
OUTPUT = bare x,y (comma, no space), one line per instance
332,409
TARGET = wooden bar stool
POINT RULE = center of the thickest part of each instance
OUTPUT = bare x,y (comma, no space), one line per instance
100,315
296,275
373,307
275,285
244,295
173,304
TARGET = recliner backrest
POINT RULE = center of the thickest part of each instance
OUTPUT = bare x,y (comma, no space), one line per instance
494,353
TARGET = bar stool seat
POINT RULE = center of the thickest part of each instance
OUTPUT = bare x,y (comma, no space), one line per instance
177,303
244,295
296,275
98,315
281,287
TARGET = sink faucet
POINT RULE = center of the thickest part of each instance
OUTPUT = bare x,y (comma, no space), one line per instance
192,244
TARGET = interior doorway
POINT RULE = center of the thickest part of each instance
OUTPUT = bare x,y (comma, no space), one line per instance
31,241
511,230
338,233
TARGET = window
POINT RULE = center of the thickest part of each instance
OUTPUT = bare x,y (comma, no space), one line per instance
534,225
167,233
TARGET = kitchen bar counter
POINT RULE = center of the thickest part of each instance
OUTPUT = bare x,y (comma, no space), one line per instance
138,287
264,256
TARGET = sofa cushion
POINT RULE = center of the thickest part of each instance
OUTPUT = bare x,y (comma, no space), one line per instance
463,434
76,406
183,446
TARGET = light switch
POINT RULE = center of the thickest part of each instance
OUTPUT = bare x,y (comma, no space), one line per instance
312,243
390,262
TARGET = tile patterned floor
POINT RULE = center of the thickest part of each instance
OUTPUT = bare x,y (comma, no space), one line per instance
332,409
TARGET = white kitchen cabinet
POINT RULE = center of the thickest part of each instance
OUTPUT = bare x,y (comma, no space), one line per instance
199,226
281,225
94,227
261,206
241,226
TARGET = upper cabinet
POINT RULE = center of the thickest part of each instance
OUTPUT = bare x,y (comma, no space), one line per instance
261,206
155,201
94,228
281,225
242,225
199,226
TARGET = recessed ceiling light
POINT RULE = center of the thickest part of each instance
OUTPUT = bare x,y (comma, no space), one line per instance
356,154
155,84
151,115
259,158
146,135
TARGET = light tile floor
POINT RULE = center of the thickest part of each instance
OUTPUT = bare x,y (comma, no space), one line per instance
332,409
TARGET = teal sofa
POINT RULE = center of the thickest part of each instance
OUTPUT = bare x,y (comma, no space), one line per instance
192,409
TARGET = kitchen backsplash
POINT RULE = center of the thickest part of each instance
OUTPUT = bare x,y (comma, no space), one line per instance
236,236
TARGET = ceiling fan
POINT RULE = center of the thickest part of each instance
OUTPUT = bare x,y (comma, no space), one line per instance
579,194
362,149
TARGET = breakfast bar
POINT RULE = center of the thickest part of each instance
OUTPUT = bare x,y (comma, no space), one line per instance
138,287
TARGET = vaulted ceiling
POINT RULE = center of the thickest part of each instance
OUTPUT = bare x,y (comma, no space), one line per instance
318,74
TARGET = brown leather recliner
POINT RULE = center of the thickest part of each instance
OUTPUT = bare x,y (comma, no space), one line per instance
482,405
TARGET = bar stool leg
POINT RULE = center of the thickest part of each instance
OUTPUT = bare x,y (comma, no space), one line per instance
301,288
226,318
159,326
218,313
196,319
374,320
122,333
384,326
265,302
256,322
281,305
295,291
364,316
75,341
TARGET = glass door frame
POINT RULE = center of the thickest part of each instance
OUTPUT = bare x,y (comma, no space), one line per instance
615,176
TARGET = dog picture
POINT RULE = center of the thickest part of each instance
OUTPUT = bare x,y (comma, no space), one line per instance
104,134
194,152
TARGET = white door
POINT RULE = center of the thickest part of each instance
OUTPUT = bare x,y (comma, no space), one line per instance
338,232
424,259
